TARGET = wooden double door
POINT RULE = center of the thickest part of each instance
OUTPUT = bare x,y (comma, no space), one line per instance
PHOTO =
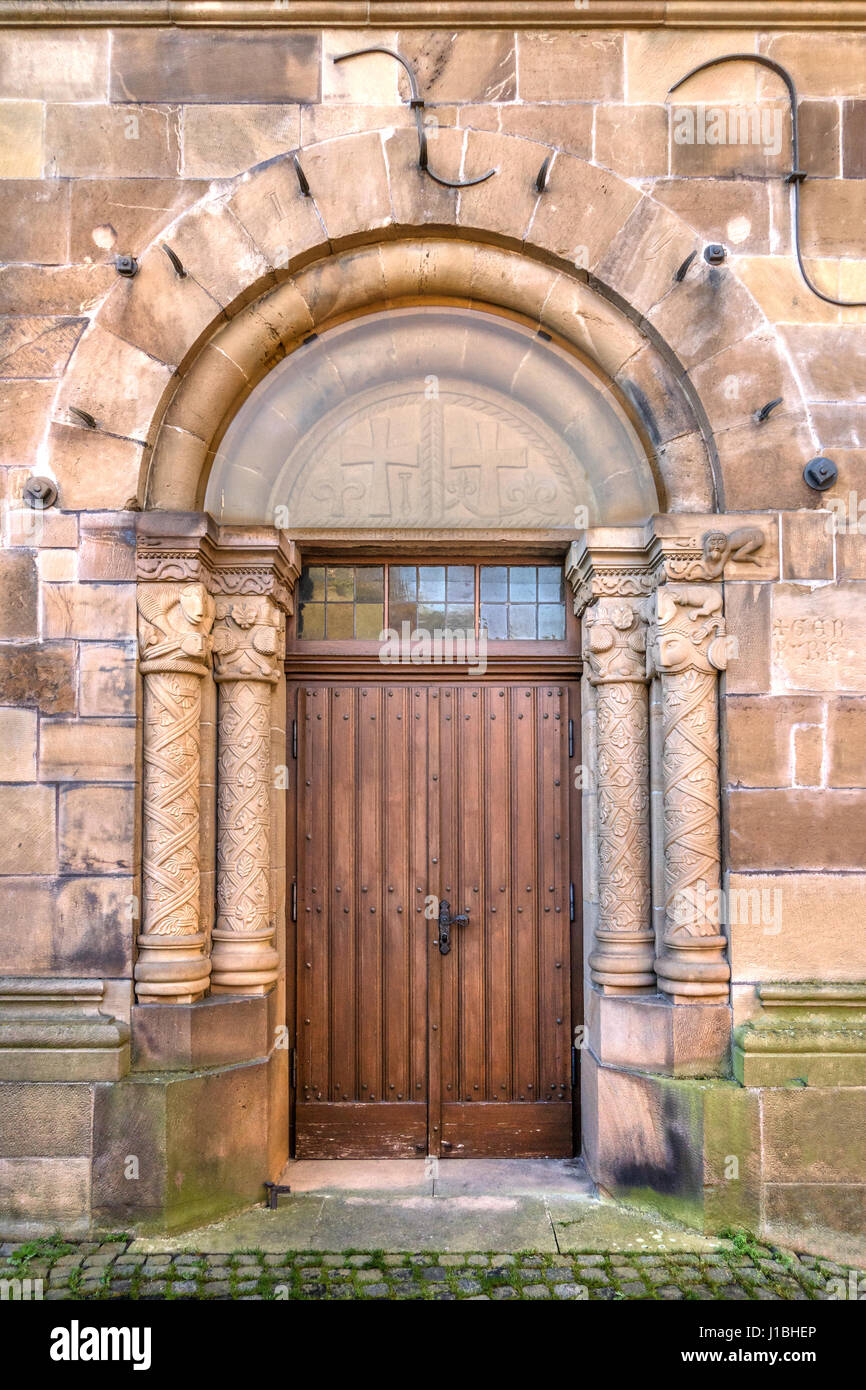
415,1035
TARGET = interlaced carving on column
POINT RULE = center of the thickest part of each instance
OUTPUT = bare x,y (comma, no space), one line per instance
691,775
172,751
688,648
623,806
247,651
243,806
174,623
616,642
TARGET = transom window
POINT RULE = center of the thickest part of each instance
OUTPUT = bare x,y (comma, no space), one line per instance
508,602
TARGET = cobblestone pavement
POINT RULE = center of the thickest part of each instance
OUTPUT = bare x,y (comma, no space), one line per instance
108,1271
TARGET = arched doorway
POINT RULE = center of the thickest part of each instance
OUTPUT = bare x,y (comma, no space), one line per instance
433,462
387,441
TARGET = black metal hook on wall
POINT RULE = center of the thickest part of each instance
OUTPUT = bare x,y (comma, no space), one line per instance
416,103
796,176
303,183
680,272
83,416
175,260
766,410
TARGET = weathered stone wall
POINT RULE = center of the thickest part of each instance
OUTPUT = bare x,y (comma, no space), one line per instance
110,136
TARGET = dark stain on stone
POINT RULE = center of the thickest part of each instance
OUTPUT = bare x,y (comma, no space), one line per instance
679,1174
41,675
636,397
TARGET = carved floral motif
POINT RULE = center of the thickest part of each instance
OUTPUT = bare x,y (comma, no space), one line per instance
246,640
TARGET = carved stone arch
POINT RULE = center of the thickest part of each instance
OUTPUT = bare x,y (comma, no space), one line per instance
168,358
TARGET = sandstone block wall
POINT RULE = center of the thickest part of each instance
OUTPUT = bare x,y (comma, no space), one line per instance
108,135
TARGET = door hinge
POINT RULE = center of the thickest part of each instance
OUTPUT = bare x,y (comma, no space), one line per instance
294,902
295,1068
571,738
294,738
574,1068
571,902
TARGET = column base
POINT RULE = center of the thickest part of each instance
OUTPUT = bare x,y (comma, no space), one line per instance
243,964
172,969
212,1033
693,969
622,962
650,1032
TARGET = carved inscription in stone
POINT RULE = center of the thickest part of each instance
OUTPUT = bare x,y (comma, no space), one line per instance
819,638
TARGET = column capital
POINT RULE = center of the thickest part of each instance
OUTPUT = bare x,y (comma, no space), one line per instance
174,624
252,561
247,639
616,641
687,632
701,549
609,562
174,547
242,561
633,561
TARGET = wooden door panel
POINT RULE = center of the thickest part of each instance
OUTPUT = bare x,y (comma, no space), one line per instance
347,1130
506,1016
407,794
361,978
504,1129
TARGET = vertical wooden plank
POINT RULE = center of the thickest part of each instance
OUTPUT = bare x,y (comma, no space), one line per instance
574,873
314,1023
341,896
293,808
439,851
395,943
416,708
561,934
466,962
551,1021
524,833
369,841
497,893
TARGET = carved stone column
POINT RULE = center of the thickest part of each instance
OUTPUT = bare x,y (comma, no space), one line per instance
173,633
254,570
688,649
615,648
247,651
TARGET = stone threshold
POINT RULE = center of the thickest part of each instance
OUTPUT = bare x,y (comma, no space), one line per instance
456,1207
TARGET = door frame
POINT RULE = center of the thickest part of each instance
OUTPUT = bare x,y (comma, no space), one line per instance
350,661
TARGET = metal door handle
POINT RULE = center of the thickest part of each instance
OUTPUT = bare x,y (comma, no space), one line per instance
446,922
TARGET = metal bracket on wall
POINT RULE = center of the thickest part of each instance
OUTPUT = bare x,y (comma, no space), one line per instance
680,272
175,260
274,1191
797,175
303,183
416,103
766,410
